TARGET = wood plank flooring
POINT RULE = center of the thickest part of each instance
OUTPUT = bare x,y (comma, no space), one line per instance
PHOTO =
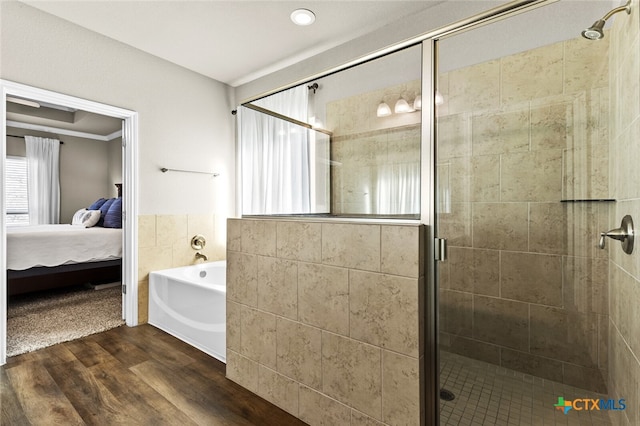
127,376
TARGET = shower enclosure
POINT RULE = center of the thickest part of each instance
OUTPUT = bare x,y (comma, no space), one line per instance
531,169
508,141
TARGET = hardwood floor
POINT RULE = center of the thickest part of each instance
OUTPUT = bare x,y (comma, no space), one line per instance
127,376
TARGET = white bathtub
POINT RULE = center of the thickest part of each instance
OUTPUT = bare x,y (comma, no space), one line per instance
190,303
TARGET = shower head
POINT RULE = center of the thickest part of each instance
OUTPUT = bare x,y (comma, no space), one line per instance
595,32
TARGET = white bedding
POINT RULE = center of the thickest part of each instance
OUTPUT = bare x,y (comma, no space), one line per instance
53,245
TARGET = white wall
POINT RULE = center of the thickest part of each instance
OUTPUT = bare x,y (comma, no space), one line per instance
184,117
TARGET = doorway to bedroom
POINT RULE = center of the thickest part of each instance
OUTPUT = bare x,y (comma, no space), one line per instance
65,271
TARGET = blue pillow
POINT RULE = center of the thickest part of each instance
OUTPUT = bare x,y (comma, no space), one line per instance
113,218
104,209
97,204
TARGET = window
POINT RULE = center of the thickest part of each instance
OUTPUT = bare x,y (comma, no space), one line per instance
17,202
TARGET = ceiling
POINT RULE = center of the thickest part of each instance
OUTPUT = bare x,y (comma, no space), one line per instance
58,120
233,42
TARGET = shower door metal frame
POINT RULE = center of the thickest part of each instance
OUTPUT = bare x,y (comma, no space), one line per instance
429,371
433,247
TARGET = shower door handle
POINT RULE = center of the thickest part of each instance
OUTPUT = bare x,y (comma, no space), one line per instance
440,249
624,234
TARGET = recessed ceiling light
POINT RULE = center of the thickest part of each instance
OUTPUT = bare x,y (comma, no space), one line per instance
303,17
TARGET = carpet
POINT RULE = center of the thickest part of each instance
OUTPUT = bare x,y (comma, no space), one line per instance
42,319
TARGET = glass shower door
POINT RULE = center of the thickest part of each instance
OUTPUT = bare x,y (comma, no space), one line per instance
527,178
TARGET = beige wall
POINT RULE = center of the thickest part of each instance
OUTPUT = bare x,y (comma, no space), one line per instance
323,318
624,270
525,285
84,175
164,241
114,162
84,170
16,146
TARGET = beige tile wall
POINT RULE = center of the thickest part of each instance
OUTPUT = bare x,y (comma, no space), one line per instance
363,144
624,270
164,241
525,286
323,318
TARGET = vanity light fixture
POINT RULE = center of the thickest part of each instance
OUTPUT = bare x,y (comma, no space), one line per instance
303,17
383,110
417,103
402,106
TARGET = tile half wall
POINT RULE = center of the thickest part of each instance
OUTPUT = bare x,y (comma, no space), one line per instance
323,318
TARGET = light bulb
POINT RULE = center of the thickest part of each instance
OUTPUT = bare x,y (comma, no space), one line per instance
383,110
303,17
417,103
402,106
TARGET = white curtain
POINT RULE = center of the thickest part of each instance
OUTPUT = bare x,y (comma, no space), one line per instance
275,155
43,181
398,189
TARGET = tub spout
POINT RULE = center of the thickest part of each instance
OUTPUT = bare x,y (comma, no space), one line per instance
201,256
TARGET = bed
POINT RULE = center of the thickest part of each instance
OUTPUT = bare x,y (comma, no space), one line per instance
49,256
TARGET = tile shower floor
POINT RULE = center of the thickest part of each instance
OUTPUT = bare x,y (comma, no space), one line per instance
486,394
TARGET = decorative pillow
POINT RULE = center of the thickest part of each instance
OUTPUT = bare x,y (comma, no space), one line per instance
77,217
86,218
104,209
97,204
113,218
92,218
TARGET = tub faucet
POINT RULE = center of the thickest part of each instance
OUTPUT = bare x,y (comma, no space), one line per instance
201,256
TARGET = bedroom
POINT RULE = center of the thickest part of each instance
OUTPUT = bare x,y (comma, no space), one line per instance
90,167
